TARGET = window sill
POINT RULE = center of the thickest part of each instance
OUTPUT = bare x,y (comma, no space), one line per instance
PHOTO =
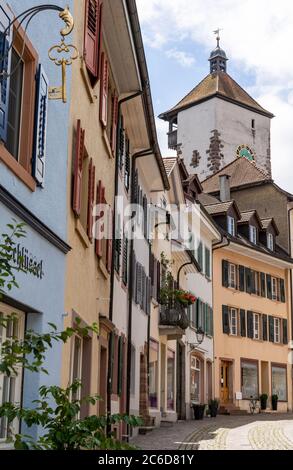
16,168
82,233
107,143
91,95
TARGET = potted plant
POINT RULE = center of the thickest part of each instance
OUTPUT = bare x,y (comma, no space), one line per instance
213,408
275,399
198,410
263,401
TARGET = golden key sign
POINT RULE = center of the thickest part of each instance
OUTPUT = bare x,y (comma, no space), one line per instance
63,55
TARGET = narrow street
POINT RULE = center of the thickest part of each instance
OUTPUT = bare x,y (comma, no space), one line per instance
258,432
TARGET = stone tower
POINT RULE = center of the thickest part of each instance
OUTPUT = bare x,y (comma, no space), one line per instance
219,121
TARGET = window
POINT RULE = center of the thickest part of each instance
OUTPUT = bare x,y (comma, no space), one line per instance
231,225
256,326
270,242
171,380
195,380
274,288
232,276
249,379
279,382
154,370
253,234
277,338
77,364
21,89
10,386
233,321
253,124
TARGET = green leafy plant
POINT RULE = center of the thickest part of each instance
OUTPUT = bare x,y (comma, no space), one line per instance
275,399
263,401
56,410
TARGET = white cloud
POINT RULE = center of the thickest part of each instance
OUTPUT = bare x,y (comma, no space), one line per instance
183,58
257,36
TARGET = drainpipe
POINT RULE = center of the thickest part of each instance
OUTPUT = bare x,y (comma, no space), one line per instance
291,290
135,157
112,274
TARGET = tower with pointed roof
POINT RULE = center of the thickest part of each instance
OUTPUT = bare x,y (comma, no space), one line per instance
219,121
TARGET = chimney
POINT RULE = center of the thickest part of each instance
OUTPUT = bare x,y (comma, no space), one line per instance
225,193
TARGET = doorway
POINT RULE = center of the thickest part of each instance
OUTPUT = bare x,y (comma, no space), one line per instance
225,382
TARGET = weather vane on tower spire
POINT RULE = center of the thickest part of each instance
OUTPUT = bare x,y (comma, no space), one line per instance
217,32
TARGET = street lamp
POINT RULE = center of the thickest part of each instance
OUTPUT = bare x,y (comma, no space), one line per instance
199,337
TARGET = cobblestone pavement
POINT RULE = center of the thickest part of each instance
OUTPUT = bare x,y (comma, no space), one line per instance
258,432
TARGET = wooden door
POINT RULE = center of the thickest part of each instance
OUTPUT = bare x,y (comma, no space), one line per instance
224,382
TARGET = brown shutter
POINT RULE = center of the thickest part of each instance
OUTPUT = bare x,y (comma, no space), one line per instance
100,40
104,90
91,198
100,200
79,156
109,241
92,36
114,124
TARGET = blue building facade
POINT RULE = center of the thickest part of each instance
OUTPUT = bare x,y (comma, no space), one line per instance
33,170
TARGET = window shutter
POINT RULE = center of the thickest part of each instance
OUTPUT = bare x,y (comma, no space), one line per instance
285,332
241,278
263,284
92,35
158,280
225,319
111,362
149,296
212,321
109,240
225,273
114,124
151,267
143,289
125,261
91,198
134,282
79,156
40,131
252,282
100,200
121,142
250,325
118,244
200,255
120,364
104,90
5,66
269,287
271,329
265,327
208,262
145,216
127,165
282,290
248,278
243,323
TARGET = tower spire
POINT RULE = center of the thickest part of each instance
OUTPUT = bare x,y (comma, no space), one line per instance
218,58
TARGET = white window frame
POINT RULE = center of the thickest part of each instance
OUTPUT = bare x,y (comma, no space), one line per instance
231,225
256,326
274,288
270,241
17,377
253,234
80,359
233,321
232,276
277,330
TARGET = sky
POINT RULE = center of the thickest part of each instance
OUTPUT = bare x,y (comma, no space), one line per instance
257,36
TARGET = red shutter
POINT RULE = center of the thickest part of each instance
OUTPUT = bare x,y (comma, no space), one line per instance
104,90
100,200
114,124
79,155
109,241
100,40
91,198
92,36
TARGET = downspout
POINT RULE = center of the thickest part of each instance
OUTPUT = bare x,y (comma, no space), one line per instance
112,274
291,291
135,157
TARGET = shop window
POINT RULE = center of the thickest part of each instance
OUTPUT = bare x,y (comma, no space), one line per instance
154,365
171,380
195,380
249,379
279,382
10,386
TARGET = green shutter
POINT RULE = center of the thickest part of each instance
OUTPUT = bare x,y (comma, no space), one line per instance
271,329
241,278
282,289
263,284
207,262
269,287
265,327
285,332
200,255
243,323
225,273
212,321
225,319
248,280
250,325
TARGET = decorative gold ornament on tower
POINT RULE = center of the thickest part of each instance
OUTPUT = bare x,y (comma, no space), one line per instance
66,54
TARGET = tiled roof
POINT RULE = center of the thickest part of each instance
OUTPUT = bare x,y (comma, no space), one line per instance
219,208
207,199
241,172
267,222
169,164
246,216
218,84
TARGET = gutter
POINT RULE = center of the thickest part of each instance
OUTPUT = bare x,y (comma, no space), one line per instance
147,97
